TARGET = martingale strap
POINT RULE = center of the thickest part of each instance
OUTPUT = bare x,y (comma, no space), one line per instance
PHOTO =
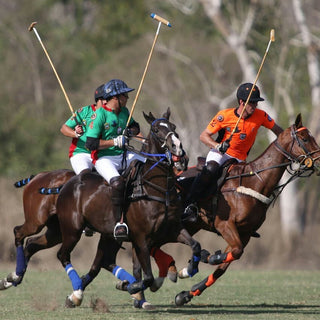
252,193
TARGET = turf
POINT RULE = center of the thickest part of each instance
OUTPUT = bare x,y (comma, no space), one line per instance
238,295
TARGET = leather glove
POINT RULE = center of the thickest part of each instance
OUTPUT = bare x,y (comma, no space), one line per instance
223,147
120,141
78,130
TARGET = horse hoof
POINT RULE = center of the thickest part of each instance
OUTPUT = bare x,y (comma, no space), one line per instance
157,284
14,278
148,306
122,285
69,303
183,274
143,304
76,298
182,298
173,273
4,284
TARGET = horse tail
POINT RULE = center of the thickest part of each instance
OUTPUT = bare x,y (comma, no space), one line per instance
49,191
23,182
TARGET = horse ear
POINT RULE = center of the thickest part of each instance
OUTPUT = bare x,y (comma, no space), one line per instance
298,122
150,118
167,114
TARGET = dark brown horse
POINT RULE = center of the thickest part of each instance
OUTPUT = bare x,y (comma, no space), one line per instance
243,200
153,211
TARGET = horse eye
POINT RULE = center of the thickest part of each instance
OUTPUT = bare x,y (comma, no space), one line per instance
155,130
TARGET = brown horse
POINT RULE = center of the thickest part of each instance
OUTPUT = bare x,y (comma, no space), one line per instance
242,202
153,210
39,212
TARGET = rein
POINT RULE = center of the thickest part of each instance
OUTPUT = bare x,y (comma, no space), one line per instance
164,159
295,173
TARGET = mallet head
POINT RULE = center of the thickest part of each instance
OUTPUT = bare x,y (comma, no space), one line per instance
272,37
160,19
31,26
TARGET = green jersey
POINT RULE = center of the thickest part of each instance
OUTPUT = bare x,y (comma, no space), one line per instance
108,125
84,116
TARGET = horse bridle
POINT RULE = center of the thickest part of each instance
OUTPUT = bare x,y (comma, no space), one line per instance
306,158
163,141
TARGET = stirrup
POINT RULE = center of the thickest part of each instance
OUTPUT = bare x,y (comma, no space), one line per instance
121,231
190,213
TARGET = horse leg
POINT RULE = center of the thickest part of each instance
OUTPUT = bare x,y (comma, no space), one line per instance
139,300
68,244
226,258
192,268
143,255
27,229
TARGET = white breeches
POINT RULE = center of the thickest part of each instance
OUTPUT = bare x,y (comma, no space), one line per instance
109,166
81,161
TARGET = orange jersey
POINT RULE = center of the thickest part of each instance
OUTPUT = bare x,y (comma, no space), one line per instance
242,140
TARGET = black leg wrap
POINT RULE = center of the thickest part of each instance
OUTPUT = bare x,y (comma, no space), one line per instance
204,255
135,287
217,258
201,286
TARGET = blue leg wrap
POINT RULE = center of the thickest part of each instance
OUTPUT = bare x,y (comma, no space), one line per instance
21,262
86,280
193,266
73,275
122,274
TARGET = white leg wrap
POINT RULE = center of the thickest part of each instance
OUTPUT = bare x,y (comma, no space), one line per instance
183,273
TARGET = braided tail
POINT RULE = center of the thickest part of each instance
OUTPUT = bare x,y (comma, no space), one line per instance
49,191
23,182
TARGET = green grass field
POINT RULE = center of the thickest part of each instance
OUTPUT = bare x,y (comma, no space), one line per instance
237,295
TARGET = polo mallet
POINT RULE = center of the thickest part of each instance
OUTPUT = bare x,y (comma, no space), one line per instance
161,20
272,39
31,27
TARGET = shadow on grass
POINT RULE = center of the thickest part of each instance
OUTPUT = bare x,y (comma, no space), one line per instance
196,309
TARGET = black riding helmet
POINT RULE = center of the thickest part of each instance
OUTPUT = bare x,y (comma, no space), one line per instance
244,90
99,92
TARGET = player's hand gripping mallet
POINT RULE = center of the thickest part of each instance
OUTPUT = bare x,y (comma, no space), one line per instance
160,20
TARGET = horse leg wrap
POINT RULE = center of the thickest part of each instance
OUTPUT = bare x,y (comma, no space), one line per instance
135,287
193,266
21,262
197,289
219,257
86,280
75,279
163,261
123,275
76,297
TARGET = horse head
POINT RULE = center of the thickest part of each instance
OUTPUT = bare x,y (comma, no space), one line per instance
300,147
164,139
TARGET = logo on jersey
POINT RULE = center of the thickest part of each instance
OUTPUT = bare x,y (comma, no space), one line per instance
106,126
269,118
243,136
94,115
220,117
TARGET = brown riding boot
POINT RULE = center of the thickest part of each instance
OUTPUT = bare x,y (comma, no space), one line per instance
121,230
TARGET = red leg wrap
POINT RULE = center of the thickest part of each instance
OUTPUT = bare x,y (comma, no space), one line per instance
163,261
